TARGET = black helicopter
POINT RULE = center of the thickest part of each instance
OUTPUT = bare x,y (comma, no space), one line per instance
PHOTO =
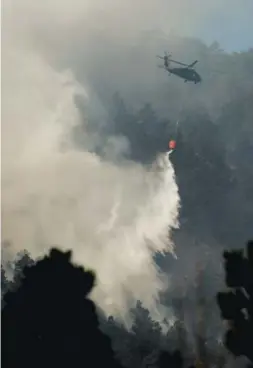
187,73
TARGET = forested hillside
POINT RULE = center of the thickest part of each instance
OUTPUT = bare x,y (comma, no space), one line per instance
47,313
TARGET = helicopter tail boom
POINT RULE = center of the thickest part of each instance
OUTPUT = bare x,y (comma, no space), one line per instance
192,64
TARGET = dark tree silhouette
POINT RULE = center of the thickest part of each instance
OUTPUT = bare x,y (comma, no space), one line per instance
173,360
49,321
237,305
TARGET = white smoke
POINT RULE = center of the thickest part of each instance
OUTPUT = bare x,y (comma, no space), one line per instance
113,216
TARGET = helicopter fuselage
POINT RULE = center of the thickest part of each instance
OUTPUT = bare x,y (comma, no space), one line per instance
187,74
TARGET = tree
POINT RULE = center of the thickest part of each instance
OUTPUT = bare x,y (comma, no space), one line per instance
237,305
49,320
23,259
16,267
148,330
122,339
173,360
4,281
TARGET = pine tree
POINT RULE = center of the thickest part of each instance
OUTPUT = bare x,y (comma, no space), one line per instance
237,305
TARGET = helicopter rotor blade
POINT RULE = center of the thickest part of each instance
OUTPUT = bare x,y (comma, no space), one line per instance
178,62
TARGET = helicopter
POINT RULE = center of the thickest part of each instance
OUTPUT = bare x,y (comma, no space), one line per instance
187,72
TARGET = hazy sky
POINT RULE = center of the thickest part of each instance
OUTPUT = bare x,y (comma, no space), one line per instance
231,27
230,22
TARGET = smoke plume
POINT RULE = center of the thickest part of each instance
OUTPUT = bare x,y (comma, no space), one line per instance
114,216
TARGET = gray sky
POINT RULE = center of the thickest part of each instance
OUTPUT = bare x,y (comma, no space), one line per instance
230,22
233,29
